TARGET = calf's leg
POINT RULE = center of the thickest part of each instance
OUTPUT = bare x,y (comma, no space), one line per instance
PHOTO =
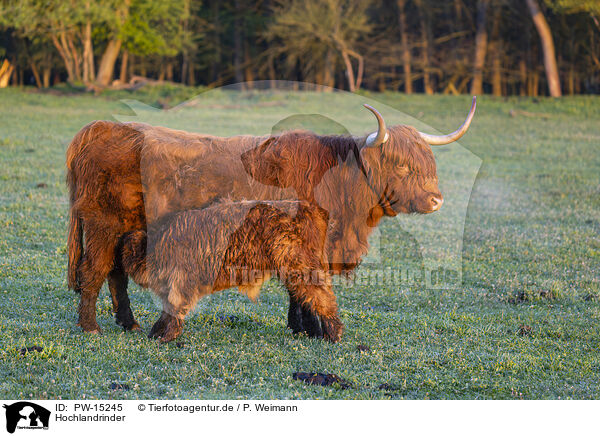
316,296
177,302
301,320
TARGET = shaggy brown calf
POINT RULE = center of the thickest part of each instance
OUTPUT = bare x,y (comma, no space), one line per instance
189,254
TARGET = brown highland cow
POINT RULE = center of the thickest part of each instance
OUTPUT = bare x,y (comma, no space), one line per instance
186,255
124,176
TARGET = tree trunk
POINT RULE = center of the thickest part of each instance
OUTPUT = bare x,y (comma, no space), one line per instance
480,48
548,46
75,55
237,43
215,67
15,75
381,84
571,81
353,82
88,54
349,71
36,74
497,72
186,46
60,42
124,62
248,73
184,68
328,78
426,37
191,74
131,62
497,50
169,71
361,71
46,74
534,83
107,62
272,76
6,70
406,65
523,75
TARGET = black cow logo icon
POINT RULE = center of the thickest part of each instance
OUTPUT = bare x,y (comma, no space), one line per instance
26,415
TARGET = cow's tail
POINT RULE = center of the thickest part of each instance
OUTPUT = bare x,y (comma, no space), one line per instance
75,238
76,149
75,246
133,256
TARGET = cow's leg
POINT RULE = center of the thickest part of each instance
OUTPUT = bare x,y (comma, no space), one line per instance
94,269
117,283
301,320
316,296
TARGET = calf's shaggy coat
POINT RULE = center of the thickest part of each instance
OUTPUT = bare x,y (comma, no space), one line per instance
186,255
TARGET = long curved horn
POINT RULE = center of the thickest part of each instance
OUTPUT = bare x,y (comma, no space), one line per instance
381,136
454,136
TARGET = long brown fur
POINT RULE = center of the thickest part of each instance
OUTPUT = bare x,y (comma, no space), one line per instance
121,176
197,252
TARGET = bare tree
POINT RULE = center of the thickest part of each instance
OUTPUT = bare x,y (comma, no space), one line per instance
405,48
548,47
480,48
425,19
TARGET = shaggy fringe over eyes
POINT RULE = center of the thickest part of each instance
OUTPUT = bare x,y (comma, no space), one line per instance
406,148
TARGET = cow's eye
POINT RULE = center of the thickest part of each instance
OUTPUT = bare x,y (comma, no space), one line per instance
403,171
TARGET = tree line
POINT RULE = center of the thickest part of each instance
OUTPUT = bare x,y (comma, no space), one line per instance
501,47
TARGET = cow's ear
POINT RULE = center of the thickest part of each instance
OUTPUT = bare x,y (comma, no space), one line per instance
265,164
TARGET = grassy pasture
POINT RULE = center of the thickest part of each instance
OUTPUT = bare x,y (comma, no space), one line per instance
525,323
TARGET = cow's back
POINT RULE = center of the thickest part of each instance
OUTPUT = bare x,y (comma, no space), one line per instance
183,171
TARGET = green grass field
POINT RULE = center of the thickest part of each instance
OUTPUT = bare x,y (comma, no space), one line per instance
525,323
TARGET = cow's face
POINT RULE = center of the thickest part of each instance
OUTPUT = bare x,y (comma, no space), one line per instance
405,173
402,167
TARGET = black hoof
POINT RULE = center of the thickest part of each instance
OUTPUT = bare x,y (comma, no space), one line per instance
126,320
301,320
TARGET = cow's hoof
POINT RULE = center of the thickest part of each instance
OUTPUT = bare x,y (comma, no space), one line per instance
135,327
171,331
157,330
91,328
332,329
96,331
129,324
166,328
124,318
